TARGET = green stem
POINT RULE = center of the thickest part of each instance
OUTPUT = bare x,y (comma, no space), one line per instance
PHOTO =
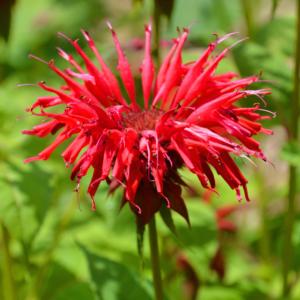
247,8
157,23
293,136
265,237
7,275
157,282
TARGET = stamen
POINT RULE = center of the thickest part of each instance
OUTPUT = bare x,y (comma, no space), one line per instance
62,35
31,56
26,84
272,113
238,42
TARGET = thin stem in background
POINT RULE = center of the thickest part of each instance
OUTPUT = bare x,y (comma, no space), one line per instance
8,286
157,26
264,230
247,9
290,205
155,264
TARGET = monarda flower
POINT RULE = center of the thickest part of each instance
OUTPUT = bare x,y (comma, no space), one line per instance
188,117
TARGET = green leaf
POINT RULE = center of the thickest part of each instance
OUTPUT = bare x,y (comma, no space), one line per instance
199,241
220,293
203,225
15,211
75,291
114,281
35,185
61,284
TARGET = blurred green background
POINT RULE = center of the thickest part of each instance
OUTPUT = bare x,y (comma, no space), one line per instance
52,246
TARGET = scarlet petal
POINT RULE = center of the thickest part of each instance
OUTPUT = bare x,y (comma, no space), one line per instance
106,71
44,155
72,151
173,74
43,129
111,147
124,69
133,178
164,67
147,67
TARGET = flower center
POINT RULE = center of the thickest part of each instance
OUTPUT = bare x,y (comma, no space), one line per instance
141,120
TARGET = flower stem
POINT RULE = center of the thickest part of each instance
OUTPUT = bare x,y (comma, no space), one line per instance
156,274
293,136
155,260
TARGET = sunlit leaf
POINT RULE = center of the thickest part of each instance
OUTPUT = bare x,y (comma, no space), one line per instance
60,284
203,226
35,184
114,281
220,293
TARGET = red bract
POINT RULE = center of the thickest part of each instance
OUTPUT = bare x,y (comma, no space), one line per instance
189,118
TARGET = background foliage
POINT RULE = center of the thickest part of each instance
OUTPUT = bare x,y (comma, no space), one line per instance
54,247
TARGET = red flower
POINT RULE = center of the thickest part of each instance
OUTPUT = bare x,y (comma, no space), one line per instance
189,117
221,215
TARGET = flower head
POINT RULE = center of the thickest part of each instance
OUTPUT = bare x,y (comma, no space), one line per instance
188,118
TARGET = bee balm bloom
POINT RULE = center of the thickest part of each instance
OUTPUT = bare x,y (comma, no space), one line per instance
188,118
